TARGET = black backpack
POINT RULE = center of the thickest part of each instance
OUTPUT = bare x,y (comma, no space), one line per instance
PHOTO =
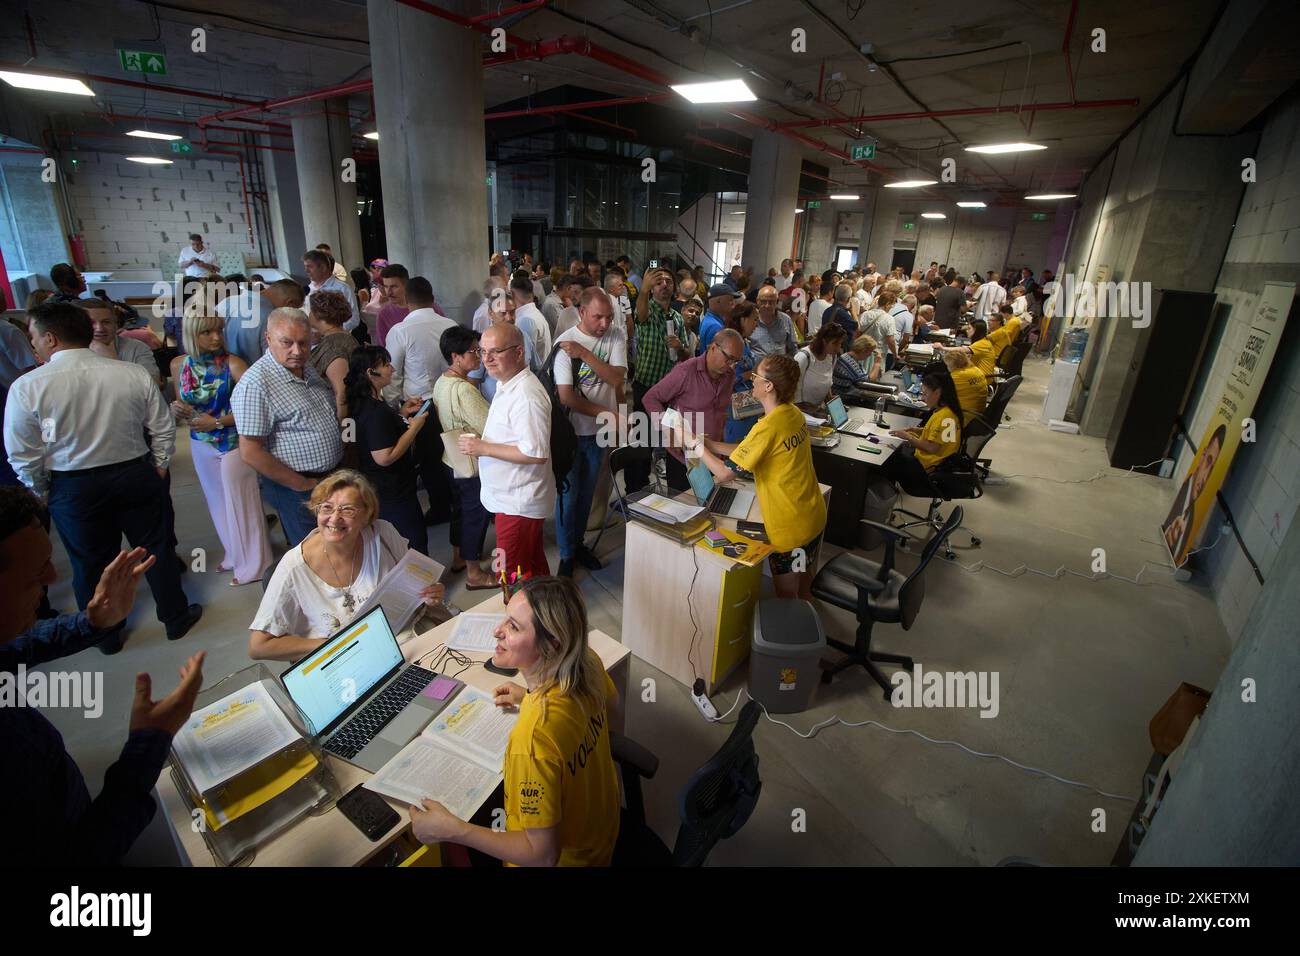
564,440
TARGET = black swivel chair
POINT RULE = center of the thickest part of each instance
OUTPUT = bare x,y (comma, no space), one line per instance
715,803
877,593
981,428
619,461
1012,359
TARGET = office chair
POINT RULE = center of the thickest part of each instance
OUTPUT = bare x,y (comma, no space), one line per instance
877,593
619,460
715,803
1012,359
980,429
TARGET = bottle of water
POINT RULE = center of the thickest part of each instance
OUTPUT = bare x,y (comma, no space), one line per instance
1073,345
880,411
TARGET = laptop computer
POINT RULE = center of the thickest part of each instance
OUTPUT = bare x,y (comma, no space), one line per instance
841,422
724,500
361,699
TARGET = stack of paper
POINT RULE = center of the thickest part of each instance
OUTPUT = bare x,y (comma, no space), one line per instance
665,510
474,632
398,592
457,759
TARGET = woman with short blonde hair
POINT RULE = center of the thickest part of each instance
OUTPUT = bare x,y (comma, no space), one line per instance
320,584
561,786
205,377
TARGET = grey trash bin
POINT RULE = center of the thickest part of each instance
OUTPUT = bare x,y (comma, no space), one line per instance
787,645
877,505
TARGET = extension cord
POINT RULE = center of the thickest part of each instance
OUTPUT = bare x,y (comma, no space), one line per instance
702,702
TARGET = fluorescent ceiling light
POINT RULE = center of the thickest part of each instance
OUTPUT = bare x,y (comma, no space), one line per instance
1052,196
845,196
1005,148
797,211
973,204
45,83
149,160
374,135
146,134
721,91
739,213
933,215
911,183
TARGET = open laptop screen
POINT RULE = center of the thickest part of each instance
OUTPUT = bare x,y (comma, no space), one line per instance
702,482
342,671
835,408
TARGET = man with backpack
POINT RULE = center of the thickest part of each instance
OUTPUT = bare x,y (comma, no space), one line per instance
588,381
514,452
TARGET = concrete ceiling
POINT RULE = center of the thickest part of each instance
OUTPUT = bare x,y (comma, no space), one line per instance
931,52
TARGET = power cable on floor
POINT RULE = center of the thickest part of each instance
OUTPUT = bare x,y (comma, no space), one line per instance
1127,473
831,721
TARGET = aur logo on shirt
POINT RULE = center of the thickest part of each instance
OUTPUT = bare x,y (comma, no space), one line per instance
531,795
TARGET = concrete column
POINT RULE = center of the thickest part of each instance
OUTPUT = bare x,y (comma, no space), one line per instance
867,206
322,140
286,211
432,160
773,194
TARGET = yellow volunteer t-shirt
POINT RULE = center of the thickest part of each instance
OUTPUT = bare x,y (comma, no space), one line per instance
984,354
972,390
559,773
940,425
777,453
1004,336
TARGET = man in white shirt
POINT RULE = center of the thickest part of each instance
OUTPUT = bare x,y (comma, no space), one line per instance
595,353
514,452
197,259
574,286
989,297
783,277
246,315
318,266
415,348
338,270
551,307
75,431
819,306
498,278
529,318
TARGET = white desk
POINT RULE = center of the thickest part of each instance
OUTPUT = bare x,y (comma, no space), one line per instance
330,839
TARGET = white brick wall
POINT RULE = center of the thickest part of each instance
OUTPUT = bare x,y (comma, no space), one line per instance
130,213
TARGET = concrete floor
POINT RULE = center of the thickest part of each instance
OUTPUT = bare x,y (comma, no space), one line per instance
1083,667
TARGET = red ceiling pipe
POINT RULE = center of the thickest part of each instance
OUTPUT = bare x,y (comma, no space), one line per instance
167,121
712,144
570,107
474,23
21,149
972,111
118,81
346,89
517,8
600,122
1065,46
243,187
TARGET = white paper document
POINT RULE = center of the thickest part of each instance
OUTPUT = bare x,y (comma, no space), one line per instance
398,592
473,632
666,509
221,741
475,727
814,420
424,769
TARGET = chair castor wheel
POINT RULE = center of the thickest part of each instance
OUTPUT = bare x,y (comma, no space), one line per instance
975,542
950,556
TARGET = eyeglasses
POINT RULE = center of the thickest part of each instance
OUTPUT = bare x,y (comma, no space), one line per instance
487,353
347,512
732,361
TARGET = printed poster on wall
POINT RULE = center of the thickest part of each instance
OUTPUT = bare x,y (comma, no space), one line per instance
1214,453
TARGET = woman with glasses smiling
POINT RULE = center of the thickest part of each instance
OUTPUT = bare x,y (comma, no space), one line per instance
319,585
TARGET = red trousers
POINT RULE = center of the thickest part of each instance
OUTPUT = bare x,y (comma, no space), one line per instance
521,539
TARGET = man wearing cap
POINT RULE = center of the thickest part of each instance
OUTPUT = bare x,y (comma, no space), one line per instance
721,298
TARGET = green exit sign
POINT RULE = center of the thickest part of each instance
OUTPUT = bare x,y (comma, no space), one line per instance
180,146
1038,216
814,204
909,225
864,151
142,61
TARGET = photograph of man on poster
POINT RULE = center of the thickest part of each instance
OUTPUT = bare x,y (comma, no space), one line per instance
1181,526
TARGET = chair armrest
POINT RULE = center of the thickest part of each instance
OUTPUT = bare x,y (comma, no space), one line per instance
631,754
887,529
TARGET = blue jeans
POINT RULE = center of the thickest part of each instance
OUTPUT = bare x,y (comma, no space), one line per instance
291,506
573,508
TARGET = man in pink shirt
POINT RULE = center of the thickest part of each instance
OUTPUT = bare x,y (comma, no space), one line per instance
394,278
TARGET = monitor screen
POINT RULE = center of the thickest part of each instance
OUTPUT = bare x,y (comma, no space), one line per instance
343,670
835,407
701,480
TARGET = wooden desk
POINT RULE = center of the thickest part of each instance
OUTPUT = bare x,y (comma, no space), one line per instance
330,839
689,610
847,470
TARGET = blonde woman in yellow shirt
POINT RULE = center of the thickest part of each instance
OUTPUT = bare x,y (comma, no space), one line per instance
937,439
776,453
561,786
972,387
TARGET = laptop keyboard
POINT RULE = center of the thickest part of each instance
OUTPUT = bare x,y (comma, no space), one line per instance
365,725
723,500
853,425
